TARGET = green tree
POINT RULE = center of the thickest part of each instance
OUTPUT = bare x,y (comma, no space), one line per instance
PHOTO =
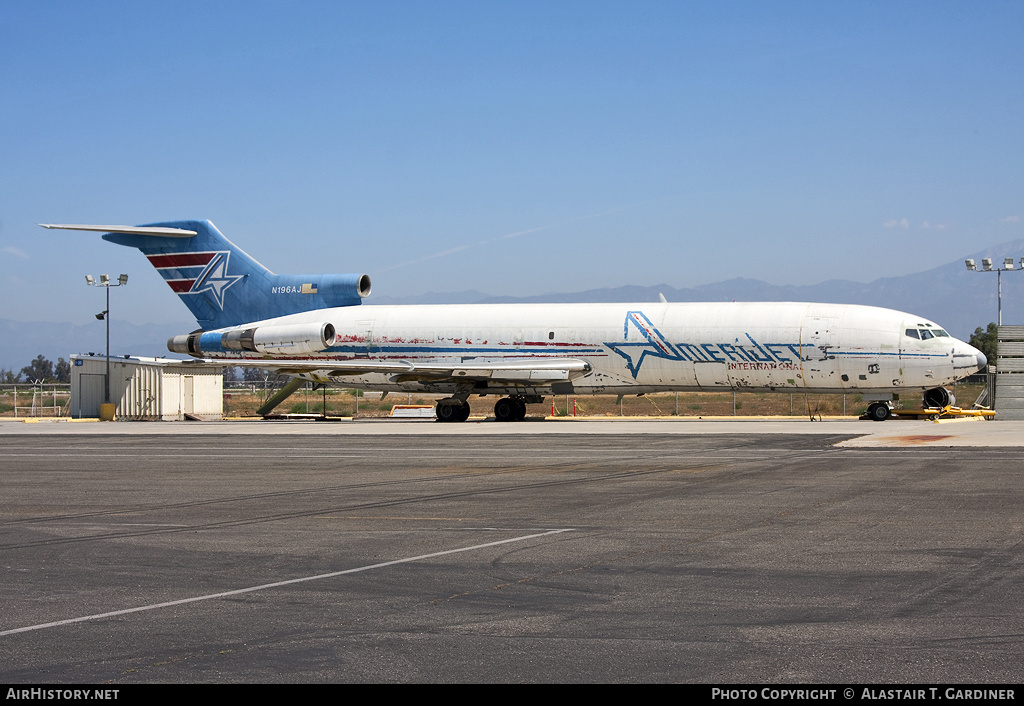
62,371
985,341
253,375
38,369
9,376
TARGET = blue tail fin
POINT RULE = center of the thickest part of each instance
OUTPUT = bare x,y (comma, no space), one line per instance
223,286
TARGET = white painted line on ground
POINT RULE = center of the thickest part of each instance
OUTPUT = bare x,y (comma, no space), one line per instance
277,584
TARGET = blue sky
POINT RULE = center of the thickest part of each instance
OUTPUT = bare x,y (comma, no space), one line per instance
507,147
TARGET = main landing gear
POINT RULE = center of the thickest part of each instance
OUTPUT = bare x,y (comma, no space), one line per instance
510,409
507,409
452,409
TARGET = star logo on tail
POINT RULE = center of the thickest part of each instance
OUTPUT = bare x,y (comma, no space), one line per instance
215,279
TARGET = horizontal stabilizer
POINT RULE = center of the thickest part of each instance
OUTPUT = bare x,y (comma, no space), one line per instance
159,232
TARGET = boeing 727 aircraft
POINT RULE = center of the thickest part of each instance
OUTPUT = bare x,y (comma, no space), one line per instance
313,327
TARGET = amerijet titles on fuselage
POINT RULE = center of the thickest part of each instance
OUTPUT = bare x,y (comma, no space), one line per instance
736,355
315,327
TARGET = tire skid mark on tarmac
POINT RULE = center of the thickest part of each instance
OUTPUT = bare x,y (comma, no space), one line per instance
461,472
665,457
341,508
245,498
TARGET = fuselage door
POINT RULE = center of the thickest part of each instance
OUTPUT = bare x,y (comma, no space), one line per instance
363,343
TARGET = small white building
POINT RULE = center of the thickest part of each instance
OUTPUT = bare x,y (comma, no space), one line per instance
147,388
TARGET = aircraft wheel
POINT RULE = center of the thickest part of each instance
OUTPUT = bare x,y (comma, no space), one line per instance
520,404
878,411
451,411
505,410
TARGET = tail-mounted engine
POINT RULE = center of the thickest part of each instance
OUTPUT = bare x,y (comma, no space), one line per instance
285,339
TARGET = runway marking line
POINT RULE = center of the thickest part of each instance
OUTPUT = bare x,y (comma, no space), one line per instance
278,584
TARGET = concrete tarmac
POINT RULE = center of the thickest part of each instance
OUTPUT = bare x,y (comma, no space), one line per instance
704,551
902,432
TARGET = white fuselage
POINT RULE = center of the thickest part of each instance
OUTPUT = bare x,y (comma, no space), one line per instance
646,347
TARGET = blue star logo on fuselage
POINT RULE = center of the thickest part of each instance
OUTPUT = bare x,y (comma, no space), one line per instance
215,279
654,344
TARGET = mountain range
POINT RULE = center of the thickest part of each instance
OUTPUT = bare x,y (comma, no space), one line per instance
950,295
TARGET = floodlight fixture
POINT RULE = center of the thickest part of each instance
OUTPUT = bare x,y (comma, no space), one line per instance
1008,265
105,316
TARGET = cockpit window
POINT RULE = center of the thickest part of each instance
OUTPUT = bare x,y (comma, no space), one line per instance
923,334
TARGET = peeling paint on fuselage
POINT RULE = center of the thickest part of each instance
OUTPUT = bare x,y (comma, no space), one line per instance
643,348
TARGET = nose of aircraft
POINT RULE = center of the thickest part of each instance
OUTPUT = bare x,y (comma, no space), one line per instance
967,359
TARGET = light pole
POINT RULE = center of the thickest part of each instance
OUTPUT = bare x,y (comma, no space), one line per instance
986,266
105,315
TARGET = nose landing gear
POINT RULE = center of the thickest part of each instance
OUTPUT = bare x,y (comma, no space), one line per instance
878,411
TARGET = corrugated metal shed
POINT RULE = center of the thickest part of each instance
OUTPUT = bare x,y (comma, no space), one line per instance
1010,373
147,388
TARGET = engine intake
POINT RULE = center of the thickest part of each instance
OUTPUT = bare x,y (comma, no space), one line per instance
938,397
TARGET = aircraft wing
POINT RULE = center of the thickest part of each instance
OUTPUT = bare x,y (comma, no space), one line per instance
536,370
525,370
